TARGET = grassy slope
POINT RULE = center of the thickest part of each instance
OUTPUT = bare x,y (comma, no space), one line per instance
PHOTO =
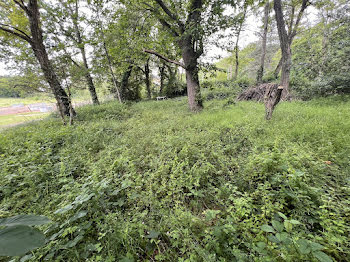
151,181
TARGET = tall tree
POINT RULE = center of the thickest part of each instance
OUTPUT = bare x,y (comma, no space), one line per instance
292,27
189,23
241,20
66,23
36,41
260,73
285,43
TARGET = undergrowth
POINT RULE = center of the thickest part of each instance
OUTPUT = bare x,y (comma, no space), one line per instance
152,182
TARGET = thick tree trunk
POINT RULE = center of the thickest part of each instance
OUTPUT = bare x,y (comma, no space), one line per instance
39,49
148,80
125,81
192,80
264,41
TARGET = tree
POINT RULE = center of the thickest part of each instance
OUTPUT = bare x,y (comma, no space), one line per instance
189,23
292,29
260,73
72,30
36,41
241,20
285,43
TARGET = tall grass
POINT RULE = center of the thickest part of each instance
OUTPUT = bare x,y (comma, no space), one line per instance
152,182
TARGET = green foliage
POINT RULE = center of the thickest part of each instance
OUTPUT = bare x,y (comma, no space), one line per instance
18,237
152,182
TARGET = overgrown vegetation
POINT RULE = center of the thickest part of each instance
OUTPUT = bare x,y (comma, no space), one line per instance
152,182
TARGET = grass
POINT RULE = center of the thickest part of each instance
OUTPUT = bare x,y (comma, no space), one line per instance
12,120
152,182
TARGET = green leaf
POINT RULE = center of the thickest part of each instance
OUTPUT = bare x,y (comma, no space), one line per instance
277,225
18,240
322,257
282,236
273,239
74,242
78,215
64,209
282,215
153,235
303,246
25,220
316,246
288,226
294,222
267,228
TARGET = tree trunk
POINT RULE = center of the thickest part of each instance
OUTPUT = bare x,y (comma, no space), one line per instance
88,78
278,68
162,78
292,32
285,48
237,41
81,47
39,49
125,82
148,80
264,41
192,80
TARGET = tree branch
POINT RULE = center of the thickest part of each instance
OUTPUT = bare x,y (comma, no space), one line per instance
167,25
23,6
20,33
304,5
170,14
164,58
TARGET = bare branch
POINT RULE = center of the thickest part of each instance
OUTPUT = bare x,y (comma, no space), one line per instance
164,58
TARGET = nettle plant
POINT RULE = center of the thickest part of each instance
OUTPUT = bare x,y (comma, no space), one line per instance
284,235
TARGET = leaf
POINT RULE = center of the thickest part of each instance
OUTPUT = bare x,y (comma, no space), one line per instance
78,215
288,226
294,222
303,246
64,209
267,228
153,235
273,239
282,236
18,240
26,258
83,198
316,246
25,220
277,225
322,257
282,215
74,242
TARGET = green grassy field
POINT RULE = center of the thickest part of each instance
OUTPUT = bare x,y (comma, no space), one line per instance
153,182
5,102
12,120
